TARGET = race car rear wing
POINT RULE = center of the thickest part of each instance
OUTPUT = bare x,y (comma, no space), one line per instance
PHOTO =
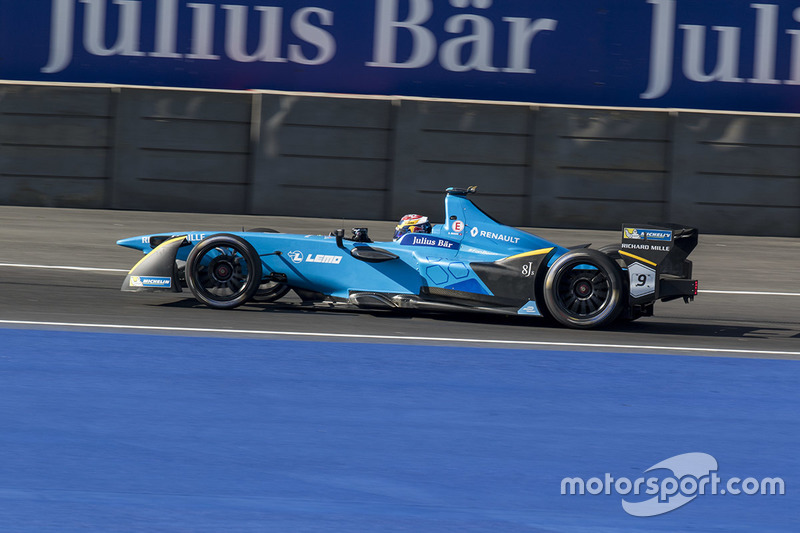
656,258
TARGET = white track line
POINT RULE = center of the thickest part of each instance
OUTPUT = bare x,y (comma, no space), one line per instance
753,293
93,269
59,267
395,337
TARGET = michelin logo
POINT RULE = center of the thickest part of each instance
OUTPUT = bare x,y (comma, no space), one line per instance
632,233
646,234
150,281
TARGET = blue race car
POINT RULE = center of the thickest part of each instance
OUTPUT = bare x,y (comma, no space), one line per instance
471,262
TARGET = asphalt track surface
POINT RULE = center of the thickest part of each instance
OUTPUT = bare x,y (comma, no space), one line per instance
145,412
753,325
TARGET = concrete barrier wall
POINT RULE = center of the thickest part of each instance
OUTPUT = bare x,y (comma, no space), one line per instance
378,158
739,174
55,145
181,150
600,167
322,156
461,144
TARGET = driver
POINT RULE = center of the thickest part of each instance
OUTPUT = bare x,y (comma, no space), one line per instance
412,224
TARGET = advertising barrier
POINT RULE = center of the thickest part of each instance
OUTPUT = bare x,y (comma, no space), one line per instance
712,54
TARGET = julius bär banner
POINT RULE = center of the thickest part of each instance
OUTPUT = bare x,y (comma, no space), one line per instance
709,54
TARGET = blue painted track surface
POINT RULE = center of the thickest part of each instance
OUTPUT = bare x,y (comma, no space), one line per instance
108,432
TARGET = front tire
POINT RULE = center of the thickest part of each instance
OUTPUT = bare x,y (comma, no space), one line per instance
223,271
584,289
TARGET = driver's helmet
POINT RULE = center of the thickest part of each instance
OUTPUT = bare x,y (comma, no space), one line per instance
412,224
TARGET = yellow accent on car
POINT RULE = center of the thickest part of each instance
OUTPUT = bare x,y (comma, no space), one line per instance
642,259
527,254
139,262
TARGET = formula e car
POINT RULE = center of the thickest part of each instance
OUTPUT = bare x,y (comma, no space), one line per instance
471,262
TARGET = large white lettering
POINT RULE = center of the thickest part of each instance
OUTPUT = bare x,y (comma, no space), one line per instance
321,39
94,35
766,42
727,55
236,34
472,49
386,26
468,38
480,41
167,30
727,67
794,72
61,28
661,48
309,43
519,44
202,32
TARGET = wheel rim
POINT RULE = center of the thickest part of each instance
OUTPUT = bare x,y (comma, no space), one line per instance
583,293
222,272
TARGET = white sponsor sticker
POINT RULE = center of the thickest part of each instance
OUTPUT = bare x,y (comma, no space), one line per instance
150,281
296,256
320,258
643,280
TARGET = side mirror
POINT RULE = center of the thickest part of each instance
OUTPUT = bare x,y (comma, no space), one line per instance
339,234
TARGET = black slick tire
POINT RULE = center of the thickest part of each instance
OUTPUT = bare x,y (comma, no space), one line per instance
584,289
223,271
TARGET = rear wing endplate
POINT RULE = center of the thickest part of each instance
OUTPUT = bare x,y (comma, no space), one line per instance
656,258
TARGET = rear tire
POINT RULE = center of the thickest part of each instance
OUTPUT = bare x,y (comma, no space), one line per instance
223,271
612,251
584,289
262,230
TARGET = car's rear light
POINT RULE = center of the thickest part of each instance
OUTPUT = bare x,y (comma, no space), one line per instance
695,287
